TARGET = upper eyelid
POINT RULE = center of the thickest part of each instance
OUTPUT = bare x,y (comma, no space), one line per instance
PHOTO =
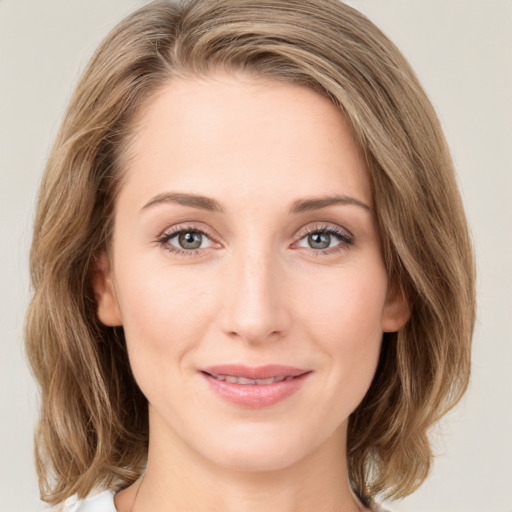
173,230
304,230
334,228
345,235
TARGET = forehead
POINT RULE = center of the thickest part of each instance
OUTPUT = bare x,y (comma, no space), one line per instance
237,133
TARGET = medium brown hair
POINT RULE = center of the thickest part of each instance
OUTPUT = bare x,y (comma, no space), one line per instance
93,428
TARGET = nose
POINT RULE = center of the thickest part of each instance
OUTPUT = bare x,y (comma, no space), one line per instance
255,308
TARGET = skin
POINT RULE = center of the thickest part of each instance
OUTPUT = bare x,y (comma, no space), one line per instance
255,293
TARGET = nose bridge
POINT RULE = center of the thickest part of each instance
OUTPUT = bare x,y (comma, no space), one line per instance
254,306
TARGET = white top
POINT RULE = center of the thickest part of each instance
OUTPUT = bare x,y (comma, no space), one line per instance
104,502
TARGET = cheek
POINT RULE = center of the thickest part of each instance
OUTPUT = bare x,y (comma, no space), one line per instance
165,313
343,313
347,303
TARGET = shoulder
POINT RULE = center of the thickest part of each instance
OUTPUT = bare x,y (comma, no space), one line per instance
375,507
99,502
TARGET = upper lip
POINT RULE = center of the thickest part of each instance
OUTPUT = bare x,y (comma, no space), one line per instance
256,372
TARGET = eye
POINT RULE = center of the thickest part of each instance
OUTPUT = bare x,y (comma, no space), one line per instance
325,239
189,239
185,241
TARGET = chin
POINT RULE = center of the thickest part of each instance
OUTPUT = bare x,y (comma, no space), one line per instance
259,460
258,449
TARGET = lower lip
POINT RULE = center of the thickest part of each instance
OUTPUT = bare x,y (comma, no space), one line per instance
255,396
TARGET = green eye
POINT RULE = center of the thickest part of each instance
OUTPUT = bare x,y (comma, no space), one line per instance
189,239
319,240
185,241
325,239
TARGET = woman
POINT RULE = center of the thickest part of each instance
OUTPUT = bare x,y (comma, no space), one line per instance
253,281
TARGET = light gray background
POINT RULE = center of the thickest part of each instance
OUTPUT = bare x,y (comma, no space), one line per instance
461,49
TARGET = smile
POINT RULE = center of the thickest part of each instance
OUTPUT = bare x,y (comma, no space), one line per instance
254,387
245,380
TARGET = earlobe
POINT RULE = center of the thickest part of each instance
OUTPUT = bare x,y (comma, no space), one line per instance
104,291
396,311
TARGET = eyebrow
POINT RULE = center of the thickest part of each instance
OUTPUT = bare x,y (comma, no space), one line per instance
192,200
316,203
211,205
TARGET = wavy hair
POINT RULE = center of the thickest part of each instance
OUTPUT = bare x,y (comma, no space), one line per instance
93,426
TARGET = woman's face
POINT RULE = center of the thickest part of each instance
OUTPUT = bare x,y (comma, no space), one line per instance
247,272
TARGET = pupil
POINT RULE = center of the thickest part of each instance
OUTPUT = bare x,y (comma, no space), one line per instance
190,240
319,240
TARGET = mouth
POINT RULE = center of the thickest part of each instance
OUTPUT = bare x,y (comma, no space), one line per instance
254,387
244,380
260,375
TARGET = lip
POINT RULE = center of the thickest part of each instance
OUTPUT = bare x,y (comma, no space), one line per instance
255,396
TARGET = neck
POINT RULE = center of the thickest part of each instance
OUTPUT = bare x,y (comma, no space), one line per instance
179,479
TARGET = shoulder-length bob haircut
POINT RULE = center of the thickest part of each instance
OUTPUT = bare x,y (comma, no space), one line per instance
93,428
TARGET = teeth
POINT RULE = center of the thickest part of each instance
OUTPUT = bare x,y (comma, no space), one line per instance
244,380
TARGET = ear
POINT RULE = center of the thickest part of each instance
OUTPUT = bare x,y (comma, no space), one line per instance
396,310
106,299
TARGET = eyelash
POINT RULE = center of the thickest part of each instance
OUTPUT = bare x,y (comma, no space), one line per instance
172,232
345,239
